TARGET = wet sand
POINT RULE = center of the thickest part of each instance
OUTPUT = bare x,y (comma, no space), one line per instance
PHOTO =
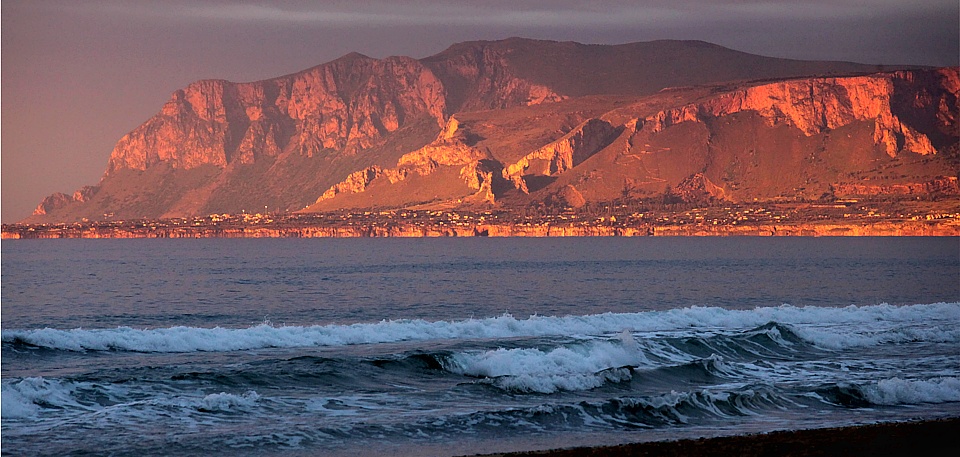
936,437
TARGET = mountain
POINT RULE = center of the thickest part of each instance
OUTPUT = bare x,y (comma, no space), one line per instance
519,122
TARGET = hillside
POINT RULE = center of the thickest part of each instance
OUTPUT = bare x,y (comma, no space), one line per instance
519,122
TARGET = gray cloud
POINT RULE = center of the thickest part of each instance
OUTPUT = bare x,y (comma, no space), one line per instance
508,13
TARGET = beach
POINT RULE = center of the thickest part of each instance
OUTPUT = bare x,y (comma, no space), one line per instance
933,437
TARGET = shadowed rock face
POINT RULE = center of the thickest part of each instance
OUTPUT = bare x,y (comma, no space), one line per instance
347,105
364,132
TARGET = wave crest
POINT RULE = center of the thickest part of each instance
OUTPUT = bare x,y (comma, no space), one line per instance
896,391
831,328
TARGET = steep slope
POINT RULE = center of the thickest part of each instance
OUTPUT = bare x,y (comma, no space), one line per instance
324,135
803,138
346,105
886,133
273,143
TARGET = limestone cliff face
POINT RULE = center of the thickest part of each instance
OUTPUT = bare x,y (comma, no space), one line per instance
354,183
346,126
449,149
907,111
441,152
346,105
565,153
816,105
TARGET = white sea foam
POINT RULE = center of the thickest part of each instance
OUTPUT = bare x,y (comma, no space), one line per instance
898,391
575,367
226,402
827,327
23,398
28,397
839,338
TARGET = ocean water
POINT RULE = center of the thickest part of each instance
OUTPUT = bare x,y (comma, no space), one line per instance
462,346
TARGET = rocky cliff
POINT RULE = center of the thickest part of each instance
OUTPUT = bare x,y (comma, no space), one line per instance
802,138
347,105
365,132
818,105
562,155
799,138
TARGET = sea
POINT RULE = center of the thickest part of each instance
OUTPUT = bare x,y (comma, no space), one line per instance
444,347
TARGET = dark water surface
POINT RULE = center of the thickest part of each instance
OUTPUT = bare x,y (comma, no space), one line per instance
237,283
454,346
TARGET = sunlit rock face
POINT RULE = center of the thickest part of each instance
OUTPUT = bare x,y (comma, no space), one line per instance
817,105
347,105
907,112
564,154
360,132
52,203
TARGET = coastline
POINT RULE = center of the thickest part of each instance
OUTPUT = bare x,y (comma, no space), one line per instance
942,227
924,437
847,218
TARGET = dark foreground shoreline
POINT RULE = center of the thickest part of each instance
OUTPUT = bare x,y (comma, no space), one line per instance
922,438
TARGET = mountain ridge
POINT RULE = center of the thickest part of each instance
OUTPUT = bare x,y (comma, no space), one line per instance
283,143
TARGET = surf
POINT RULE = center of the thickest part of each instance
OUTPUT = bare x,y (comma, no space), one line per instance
831,328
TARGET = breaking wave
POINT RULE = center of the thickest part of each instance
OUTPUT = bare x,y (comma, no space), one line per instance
29,397
26,397
828,328
575,367
896,391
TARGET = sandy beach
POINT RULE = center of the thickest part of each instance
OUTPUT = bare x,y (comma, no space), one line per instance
935,437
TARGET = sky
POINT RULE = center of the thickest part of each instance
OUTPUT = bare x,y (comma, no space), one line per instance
78,75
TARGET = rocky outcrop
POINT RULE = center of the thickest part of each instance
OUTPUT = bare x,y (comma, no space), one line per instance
85,193
444,152
698,189
60,200
347,105
52,203
813,106
817,105
561,155
450,149
480,171
356,182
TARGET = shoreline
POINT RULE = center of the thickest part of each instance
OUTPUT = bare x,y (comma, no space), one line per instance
147,229
923,437
840,218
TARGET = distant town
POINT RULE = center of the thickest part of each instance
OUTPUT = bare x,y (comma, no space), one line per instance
837,218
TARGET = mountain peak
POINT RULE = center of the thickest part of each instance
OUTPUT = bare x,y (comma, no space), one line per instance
352,56
358,123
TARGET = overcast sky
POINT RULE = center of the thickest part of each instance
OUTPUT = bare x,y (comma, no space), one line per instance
78,75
